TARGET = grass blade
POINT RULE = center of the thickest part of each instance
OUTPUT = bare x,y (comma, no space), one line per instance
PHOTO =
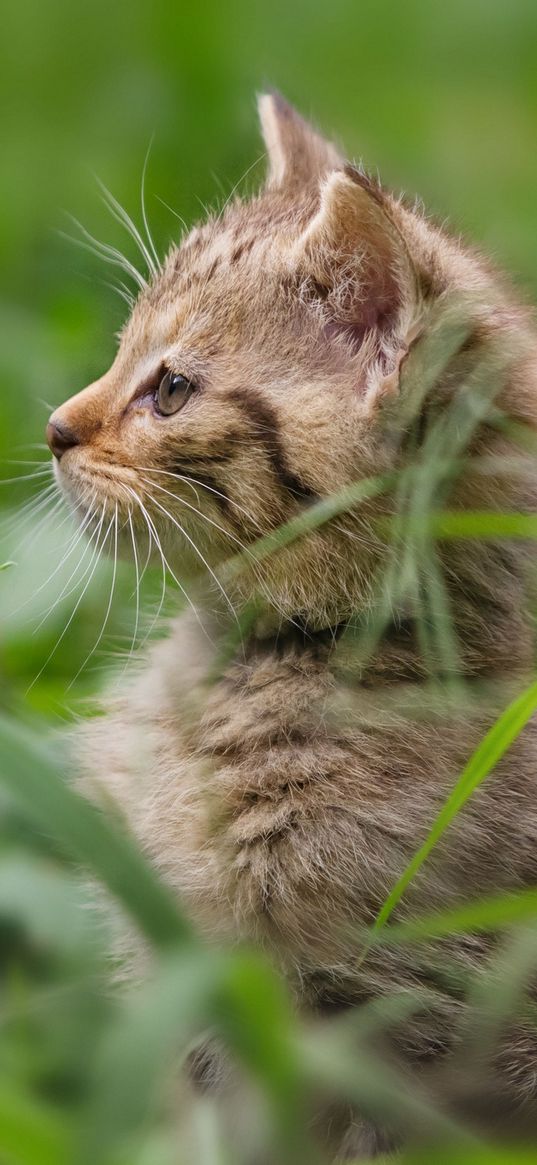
489,752
28,772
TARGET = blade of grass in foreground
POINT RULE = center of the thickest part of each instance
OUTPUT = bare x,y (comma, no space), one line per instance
489,752
482,524
486,914
454,1155
29,773
316,515
141,1046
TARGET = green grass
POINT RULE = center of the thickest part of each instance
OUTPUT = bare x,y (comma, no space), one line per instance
493,746
444,101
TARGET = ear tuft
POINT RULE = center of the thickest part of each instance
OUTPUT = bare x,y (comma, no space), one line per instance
297,154
353,210
354,249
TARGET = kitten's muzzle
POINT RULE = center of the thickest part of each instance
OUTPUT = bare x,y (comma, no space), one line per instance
60,437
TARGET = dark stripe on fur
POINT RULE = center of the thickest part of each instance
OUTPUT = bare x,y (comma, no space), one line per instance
264,421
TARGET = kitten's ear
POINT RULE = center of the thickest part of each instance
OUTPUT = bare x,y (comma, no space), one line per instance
297,154
355,253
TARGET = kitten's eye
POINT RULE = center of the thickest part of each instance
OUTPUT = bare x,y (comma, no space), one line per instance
173,392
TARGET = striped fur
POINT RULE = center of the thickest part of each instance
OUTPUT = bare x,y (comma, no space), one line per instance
280,806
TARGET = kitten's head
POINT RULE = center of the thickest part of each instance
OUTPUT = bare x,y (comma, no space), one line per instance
253,374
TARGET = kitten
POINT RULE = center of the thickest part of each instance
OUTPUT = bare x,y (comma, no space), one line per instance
265,367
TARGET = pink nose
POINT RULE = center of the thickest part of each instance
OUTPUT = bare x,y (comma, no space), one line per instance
60,437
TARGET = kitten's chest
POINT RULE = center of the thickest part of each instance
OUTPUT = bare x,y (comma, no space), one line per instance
272,700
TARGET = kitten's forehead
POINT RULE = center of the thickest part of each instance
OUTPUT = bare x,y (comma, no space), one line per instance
246,234
214,276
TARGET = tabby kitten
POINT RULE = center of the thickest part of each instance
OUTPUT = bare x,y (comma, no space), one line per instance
264,367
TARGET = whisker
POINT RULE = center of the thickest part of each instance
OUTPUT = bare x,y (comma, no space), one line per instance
16,519
149,236
41,471
28,515
245,549
200,514
165,563
148,554
174,212
123,292
136,567
39,464
181,477
34,532
73,612
240,181
167,473
72,542
105,252
37,444
200,556
44,491
188,480
120,214
152,538
65,591
109,607
146,563
69,517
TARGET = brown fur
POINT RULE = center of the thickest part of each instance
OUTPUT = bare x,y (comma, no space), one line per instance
280,806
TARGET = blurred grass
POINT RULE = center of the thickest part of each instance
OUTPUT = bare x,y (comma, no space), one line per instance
444,101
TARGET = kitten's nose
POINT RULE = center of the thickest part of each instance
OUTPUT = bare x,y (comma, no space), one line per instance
60,437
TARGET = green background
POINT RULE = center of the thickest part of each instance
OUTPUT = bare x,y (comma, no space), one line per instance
442,99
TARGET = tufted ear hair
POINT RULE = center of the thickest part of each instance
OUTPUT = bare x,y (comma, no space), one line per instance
297,154
357,257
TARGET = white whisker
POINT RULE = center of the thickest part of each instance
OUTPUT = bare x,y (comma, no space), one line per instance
193,481
29,518
67,518
105,252
65,591
153,537
73,612
86,661
200,556
120,214
41,463
109,607
153,532
166,564
174,212
136,567
200,514
40,472
239,183
37,444
18,518
148,554
163,567
149,236
123,292
72,543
